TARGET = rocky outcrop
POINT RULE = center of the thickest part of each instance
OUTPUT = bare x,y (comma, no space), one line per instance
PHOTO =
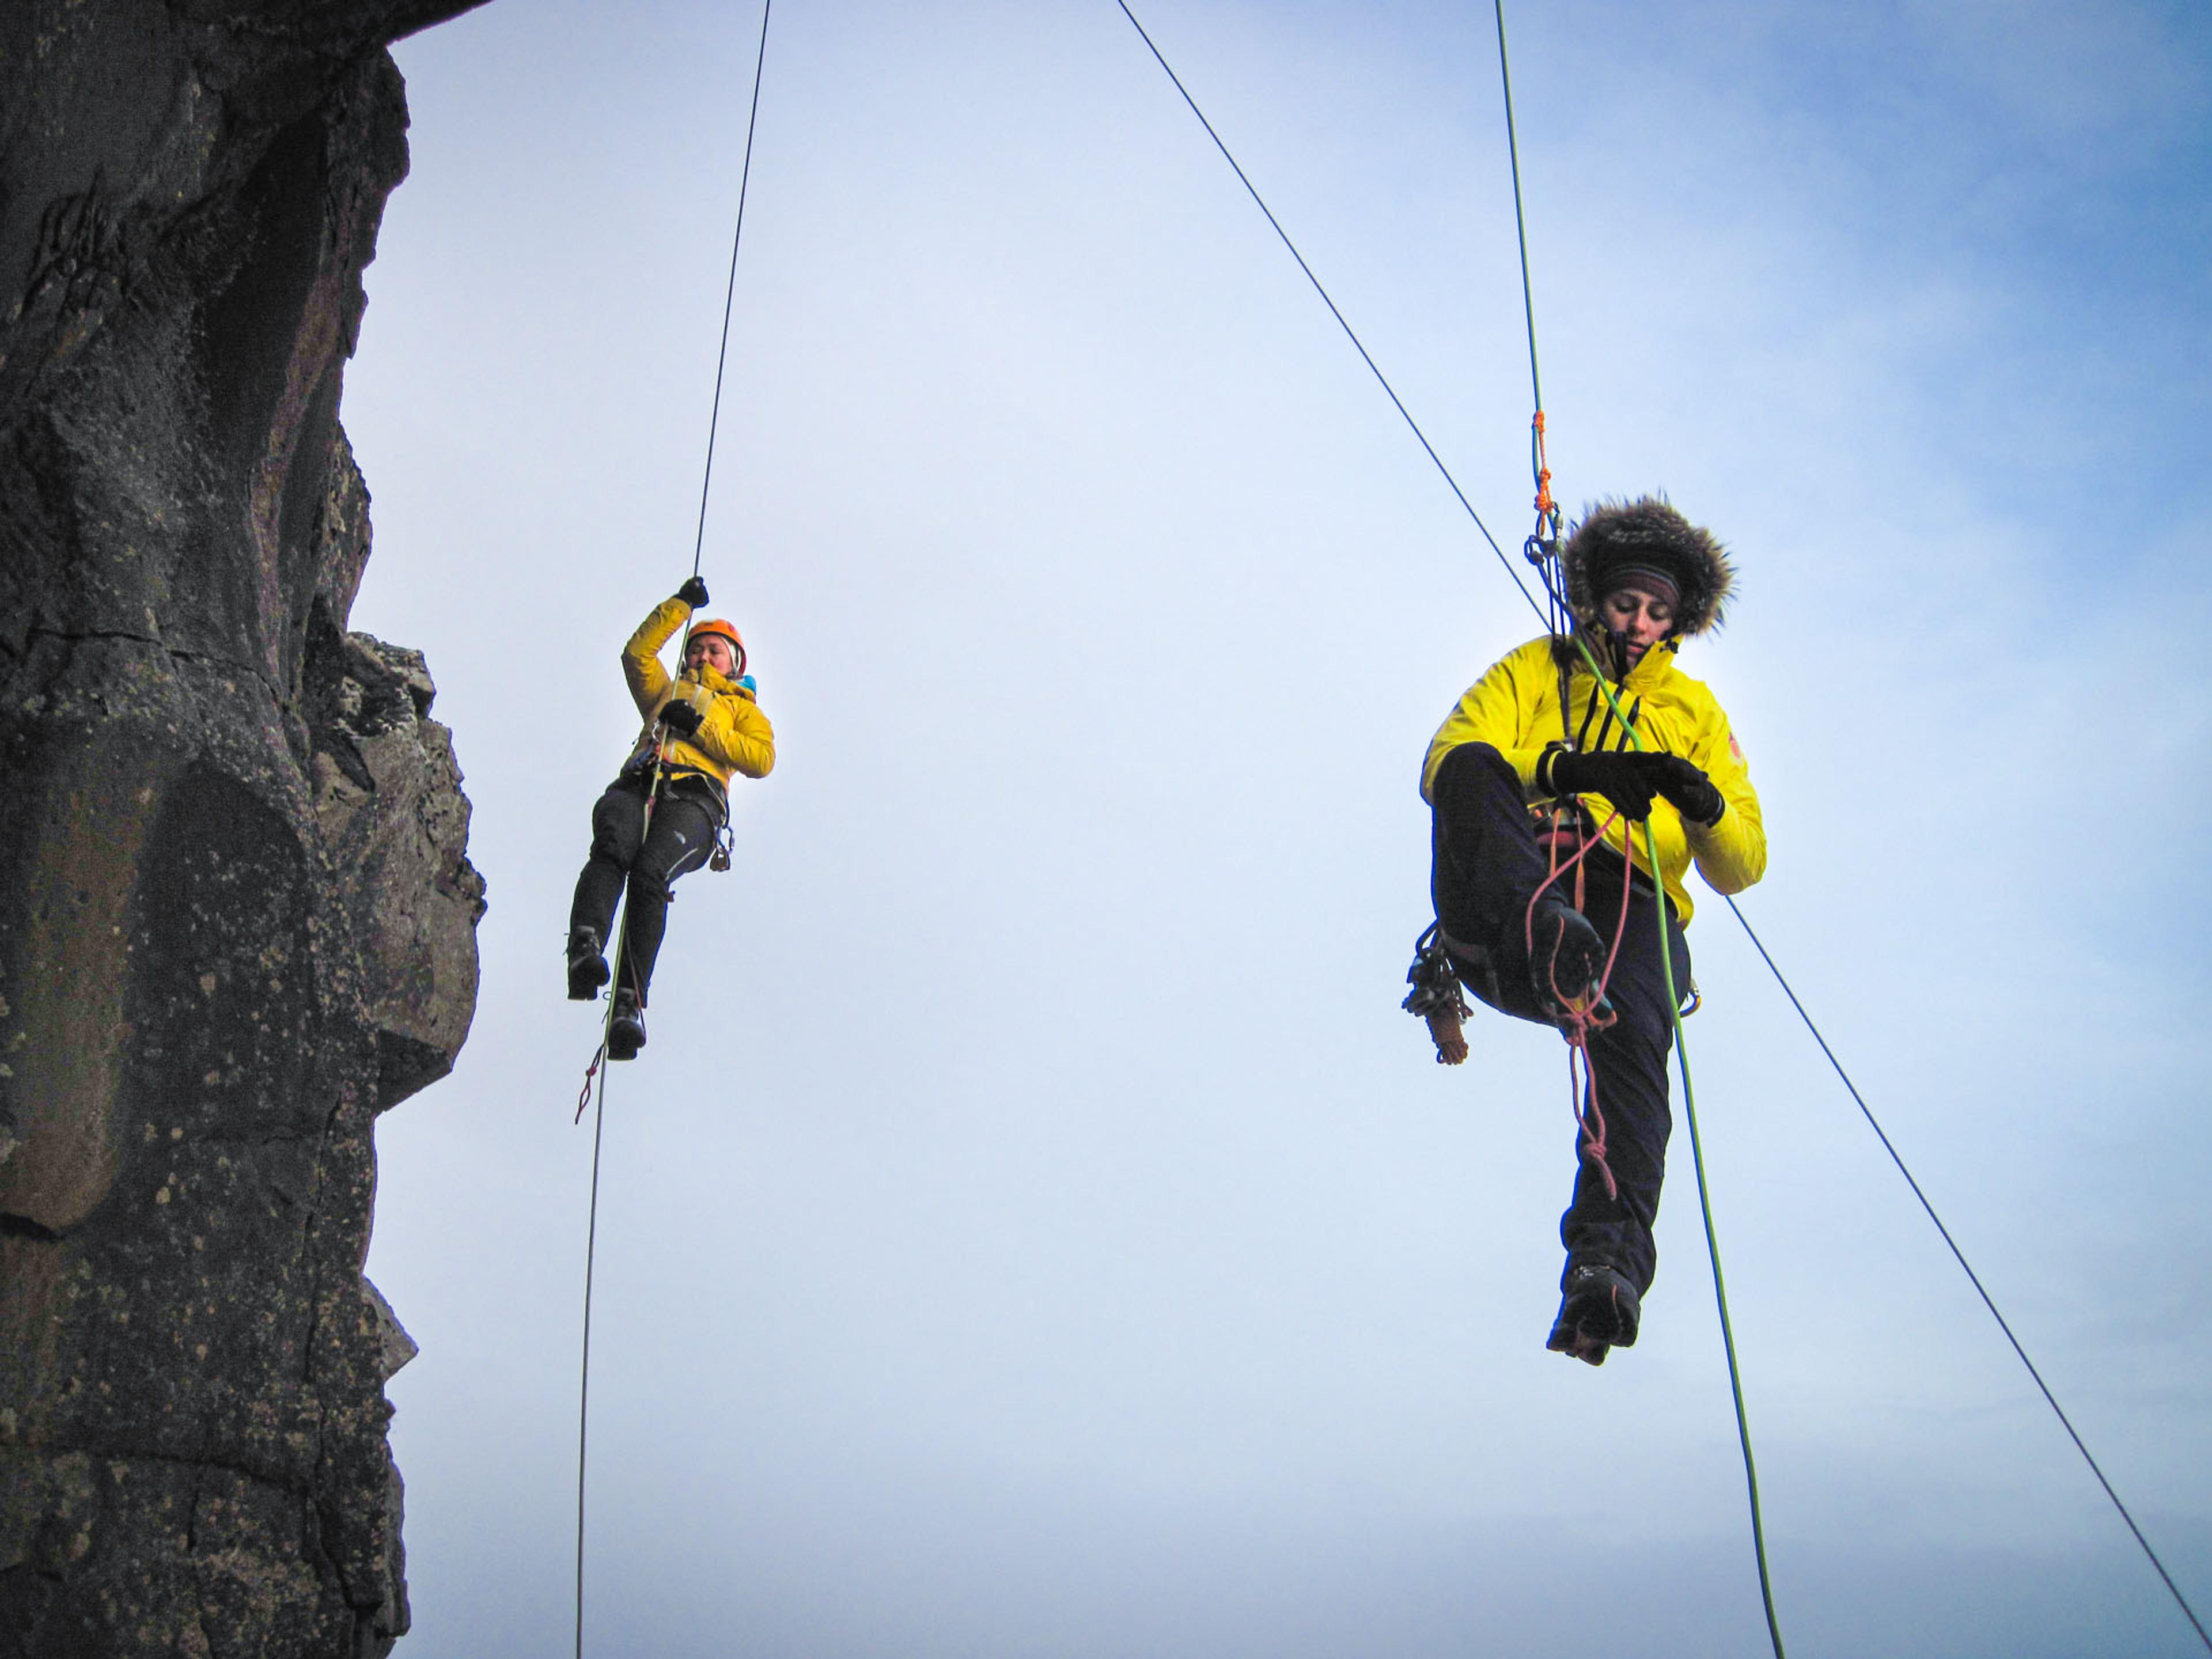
236,913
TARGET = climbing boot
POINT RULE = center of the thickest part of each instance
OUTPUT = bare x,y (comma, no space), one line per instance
1598,1310
626,1030
587,965
1566,958
1566,1340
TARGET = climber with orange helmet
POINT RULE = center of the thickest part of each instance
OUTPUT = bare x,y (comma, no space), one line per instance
700,728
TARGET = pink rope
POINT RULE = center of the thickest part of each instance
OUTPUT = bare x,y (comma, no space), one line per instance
589,1071
1588,1118
1579,1018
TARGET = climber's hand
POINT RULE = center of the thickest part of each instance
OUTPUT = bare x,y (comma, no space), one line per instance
680,717
1610,772
693,593
1686,784
1630,779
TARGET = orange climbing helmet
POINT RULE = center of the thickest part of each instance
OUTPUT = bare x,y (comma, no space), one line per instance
716,626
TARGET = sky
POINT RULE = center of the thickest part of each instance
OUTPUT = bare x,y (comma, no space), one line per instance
1034,1229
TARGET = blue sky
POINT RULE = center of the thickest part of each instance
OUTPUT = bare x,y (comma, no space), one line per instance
1033,1228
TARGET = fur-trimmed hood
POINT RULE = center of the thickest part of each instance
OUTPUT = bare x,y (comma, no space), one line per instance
1649,530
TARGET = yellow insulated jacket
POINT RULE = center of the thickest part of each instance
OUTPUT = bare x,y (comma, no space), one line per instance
1515,708
733,735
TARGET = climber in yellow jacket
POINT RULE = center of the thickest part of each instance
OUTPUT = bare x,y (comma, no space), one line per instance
1534,753
702,728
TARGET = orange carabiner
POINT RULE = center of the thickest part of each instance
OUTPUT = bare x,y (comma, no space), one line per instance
1545,505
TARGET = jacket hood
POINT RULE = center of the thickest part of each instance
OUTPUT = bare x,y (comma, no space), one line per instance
1648,530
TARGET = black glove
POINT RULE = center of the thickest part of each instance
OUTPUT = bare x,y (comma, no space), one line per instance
1630,778
1684,783
693,593
1612,772
680,717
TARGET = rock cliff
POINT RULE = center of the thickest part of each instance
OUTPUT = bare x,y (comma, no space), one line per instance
237,917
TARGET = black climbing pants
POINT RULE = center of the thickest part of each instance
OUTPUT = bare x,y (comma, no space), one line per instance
682,836
1487,866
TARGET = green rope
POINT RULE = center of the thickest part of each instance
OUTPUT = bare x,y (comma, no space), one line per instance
1659,897
1520,224
1697,1160
1712,1237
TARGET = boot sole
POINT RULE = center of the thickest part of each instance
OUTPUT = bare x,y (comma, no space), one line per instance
1599,1316
625,1040
1566,1340
1574,957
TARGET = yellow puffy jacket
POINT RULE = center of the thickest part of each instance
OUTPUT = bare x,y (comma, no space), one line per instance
1515,708
733,735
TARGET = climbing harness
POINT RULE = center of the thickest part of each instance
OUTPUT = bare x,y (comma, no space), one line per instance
720,861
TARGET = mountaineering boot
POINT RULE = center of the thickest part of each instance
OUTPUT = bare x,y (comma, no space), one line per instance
1598,1310
626,1030
1565,958
587,965
1566,1340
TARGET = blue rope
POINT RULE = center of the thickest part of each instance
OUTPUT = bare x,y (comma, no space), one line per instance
1975,1280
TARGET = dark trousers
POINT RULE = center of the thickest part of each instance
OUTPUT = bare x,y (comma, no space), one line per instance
1487,866
681,836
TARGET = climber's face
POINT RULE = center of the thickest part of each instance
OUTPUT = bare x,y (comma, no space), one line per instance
1641,619
712,650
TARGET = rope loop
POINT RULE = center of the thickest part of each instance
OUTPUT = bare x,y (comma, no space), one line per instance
590,1072
1580,1016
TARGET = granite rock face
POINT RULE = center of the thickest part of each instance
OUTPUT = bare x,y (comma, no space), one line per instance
237,917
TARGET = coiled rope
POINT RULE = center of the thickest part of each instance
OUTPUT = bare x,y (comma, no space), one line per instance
598,1068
